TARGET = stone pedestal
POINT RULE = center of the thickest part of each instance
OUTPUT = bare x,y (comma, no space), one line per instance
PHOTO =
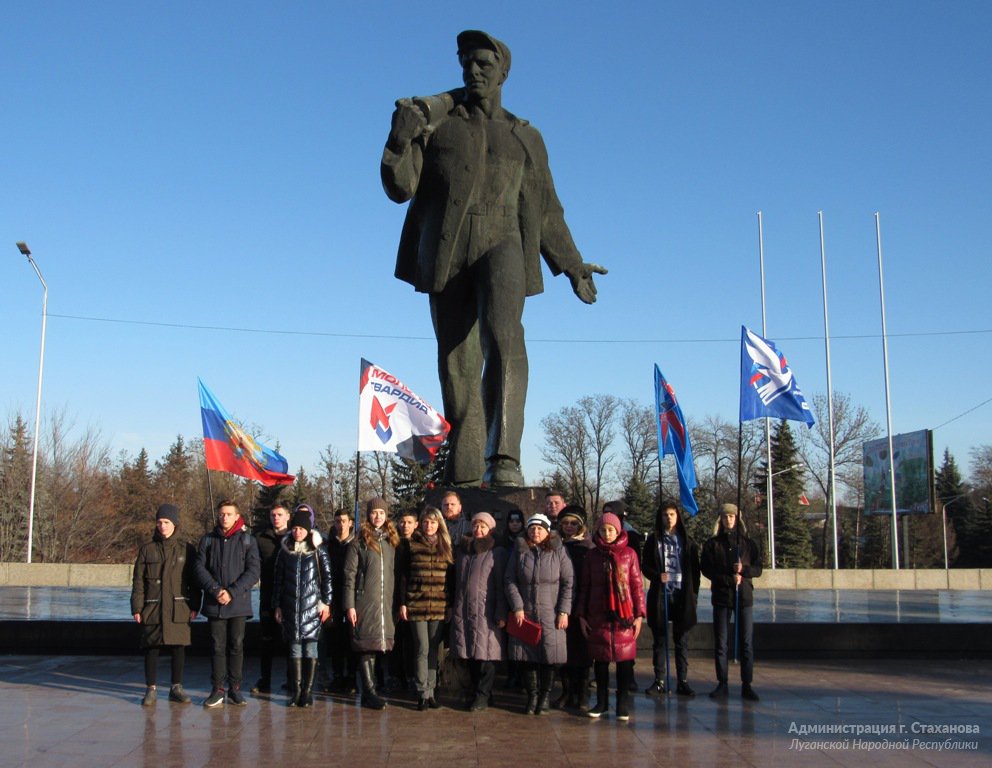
496,501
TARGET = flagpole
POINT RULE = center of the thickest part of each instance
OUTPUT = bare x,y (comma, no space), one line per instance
830,395
888,404
661,487
358,472
210,487
770,504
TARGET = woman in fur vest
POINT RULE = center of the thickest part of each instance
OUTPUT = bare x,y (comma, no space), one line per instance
426,588
301,601
539,586
369,581
611,610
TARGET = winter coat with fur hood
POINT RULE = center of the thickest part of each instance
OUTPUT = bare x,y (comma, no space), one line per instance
301,586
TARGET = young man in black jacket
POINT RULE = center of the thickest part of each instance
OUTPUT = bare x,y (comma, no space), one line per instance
227,567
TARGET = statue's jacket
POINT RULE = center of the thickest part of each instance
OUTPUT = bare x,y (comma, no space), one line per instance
441,173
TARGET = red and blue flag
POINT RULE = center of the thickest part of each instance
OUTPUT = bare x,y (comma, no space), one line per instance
673,439
228,448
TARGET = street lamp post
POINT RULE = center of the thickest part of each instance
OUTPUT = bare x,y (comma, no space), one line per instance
23,248
771,510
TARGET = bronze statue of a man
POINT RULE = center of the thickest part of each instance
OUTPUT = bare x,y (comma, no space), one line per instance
483,210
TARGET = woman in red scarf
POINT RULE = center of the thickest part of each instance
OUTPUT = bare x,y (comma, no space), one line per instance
611,610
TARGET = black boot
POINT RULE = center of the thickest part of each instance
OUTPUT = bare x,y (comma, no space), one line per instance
294,671
625,675
306,685
547,678
370,699
264,682
564,700
530,683
602,690
580,689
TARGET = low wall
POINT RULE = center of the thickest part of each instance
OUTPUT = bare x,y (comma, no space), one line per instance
771,640
80,575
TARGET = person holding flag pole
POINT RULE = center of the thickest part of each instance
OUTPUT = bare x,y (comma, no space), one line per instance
730,560
670,563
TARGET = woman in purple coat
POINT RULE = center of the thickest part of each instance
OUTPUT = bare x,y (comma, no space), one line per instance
479,613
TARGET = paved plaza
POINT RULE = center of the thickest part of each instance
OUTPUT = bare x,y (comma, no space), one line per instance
82,711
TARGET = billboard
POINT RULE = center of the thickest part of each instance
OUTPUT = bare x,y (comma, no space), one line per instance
913,461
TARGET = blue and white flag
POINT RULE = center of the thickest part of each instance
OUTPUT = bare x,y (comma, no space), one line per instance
768,387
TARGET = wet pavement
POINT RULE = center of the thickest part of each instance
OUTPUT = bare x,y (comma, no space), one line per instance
771,605
84,711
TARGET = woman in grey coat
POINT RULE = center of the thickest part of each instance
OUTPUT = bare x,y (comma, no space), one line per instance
539,586
369,574
479,613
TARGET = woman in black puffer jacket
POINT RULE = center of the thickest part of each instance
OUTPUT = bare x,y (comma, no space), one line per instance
301,601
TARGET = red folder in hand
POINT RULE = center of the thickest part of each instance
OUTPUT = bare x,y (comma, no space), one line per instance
529,632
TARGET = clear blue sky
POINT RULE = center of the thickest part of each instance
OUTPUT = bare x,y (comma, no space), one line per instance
216,164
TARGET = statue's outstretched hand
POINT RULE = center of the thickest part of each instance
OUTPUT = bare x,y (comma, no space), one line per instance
408,123
582,282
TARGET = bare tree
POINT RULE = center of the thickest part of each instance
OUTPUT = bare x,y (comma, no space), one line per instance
714,446
600,413
73,523
852,427
566,448
981,470
639,434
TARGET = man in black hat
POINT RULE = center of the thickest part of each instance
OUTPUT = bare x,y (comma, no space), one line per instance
483,212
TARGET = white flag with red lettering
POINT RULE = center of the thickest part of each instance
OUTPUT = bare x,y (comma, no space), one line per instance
393,419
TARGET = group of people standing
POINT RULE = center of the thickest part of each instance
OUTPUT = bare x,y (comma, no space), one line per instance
550,595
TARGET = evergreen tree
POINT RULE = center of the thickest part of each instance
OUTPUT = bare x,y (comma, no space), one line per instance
954,495
411,480
301,491
641,504
793,545
134,498
15,491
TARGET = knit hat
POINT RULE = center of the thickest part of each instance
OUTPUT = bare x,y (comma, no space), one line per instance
486,518
572,510
377,502
515,513
301,518
168,512
610,519
618,508
539,519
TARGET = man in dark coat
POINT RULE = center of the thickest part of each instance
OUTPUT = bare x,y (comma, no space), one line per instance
227,567
270,635
483,211
730,560
164,600
671,564
338,632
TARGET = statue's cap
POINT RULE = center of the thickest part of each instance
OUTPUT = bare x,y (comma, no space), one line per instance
472,39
